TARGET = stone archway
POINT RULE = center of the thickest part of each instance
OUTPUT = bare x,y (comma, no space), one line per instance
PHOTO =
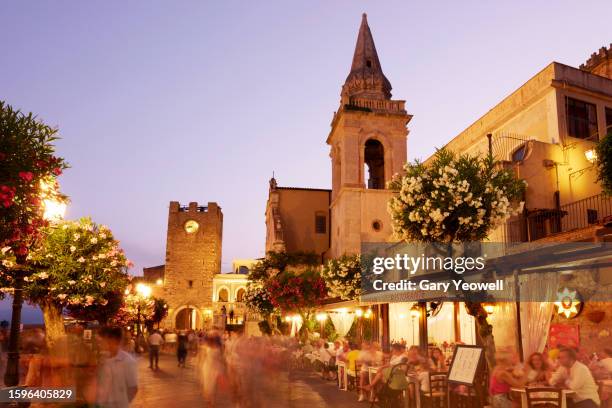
187,318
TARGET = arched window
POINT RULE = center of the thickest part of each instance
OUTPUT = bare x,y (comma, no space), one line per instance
240,295
374,160
223,295
519,154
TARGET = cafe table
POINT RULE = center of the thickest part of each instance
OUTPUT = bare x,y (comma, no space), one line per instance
523,393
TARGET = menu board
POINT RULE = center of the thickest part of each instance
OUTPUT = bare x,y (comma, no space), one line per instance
464,366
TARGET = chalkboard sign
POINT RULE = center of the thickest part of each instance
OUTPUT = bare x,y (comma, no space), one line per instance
465,364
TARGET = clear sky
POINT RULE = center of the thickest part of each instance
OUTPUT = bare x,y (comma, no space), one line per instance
202,100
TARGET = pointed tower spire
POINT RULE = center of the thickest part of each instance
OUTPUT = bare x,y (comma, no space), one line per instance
366,79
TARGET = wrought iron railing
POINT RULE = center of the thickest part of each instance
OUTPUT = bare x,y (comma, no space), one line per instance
542,223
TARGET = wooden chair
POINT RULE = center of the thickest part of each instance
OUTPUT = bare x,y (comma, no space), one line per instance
543,397
437,397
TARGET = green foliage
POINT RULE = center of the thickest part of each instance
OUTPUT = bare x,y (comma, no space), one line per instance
343,277
28,168
77,264
604,163
454,198
160,311
275,262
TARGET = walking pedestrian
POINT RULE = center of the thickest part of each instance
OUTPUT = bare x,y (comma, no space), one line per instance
181,349
155,341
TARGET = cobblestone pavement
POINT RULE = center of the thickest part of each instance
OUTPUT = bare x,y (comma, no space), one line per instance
175,387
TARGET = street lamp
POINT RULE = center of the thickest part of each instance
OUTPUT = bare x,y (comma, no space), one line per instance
53,212
143,292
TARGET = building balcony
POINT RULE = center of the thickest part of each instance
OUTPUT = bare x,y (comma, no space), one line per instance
537,224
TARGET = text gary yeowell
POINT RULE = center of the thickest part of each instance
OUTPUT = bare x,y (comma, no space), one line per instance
412,264
426,285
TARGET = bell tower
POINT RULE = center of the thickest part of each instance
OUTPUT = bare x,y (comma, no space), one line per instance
367,147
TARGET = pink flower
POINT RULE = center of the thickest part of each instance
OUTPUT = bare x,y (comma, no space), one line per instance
26,175
62,296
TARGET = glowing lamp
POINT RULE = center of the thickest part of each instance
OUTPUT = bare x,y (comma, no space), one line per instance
159,282
143,290
489,308
358,312
368,313
53,210
414,311
321,317
591,155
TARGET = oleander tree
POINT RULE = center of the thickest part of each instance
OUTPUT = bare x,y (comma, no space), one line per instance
342,277
604,163
257,297
452,199
136,308
77,267
28,172
299,293
455,199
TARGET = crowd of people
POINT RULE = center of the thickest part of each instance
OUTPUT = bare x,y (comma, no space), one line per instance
563,368
358,358
560,368
248,370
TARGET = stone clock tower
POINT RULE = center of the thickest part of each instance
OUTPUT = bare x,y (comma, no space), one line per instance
193,257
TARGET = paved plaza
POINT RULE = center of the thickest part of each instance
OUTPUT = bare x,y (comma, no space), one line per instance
175,387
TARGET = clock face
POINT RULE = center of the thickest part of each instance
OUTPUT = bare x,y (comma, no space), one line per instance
191,226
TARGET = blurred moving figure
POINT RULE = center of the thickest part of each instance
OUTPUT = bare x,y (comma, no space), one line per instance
212,368
117,375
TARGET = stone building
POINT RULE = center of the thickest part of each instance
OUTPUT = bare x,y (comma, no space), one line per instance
546,132
367,146
193,258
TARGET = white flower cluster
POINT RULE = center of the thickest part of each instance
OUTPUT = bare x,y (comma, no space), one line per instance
435,201
343,277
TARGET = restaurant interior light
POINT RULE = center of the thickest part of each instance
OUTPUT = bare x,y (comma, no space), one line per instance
321,317
159,282
489,308
368,313
414,311
358,312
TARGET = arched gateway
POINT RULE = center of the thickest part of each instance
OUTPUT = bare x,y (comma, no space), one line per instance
187,318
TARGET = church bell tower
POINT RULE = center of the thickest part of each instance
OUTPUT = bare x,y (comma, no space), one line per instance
367,147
